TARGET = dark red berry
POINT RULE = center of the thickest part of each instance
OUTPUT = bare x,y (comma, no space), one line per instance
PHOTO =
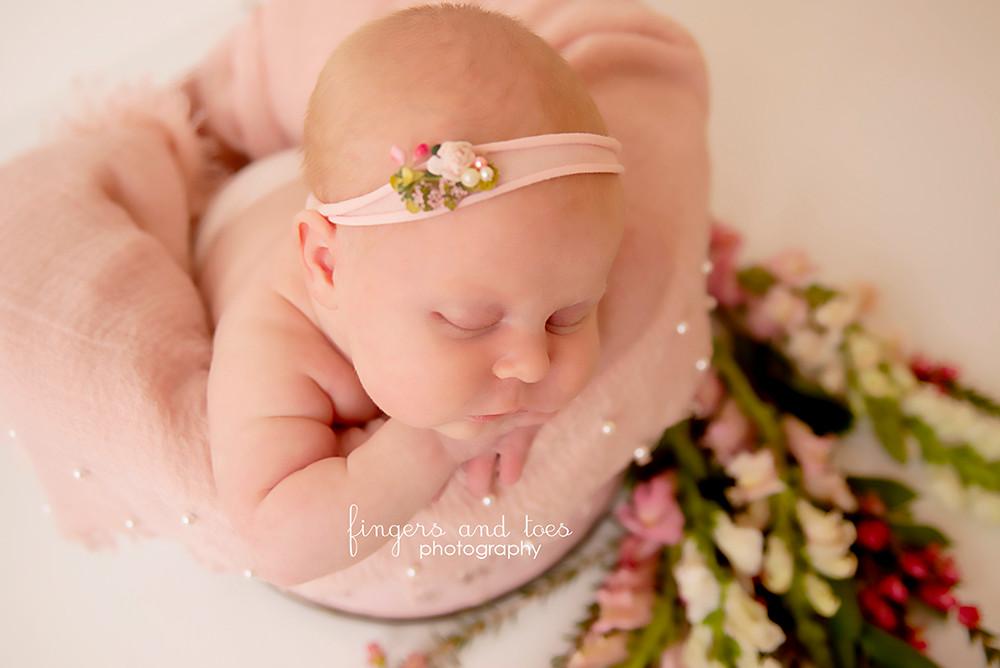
937,596
874,534
892,587
968,616
914,565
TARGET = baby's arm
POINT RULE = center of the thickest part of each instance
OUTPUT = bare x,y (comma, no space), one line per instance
279,468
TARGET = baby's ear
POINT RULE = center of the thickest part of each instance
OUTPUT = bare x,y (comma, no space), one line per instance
315,235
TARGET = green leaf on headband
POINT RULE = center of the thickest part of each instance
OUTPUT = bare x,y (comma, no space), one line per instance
931,448
755,279
889,651
973,468
918,535
893,493
887,421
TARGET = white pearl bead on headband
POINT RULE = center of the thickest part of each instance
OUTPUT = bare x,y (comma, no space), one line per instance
458,173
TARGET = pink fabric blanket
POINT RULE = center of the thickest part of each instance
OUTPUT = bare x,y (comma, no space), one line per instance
105,344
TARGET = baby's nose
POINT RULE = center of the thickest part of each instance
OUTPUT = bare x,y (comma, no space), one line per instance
526,358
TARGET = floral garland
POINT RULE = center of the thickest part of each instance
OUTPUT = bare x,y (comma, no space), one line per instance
744,545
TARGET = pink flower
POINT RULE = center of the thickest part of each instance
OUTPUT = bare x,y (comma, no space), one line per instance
635,549
791,266
415,660
451,158
821,480
623,608
420,152
671,656
709,394
723,249
729,433
779,311
652,513
376,655
600,651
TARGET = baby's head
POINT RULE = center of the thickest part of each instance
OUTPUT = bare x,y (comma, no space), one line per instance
491,307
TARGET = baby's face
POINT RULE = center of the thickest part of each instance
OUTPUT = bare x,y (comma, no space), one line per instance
483,310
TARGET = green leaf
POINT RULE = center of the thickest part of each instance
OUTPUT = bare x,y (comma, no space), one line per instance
816,295
755,279
931,448
845,625
889,651
887,420
893,493
918,535
973,469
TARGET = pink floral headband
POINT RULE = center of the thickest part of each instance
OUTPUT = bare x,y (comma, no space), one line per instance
460,173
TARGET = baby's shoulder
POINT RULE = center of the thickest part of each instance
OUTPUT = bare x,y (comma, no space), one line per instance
270,359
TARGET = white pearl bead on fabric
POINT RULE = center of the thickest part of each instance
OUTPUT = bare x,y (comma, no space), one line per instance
608,427
247,573
706,267
129,524
411,570
488,500
188,518
682,327
80,473
701,364
12,433
641,456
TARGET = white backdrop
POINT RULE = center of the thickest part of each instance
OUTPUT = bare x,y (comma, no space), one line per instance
866,133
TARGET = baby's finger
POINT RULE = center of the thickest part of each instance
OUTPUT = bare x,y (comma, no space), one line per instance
512,458
479,474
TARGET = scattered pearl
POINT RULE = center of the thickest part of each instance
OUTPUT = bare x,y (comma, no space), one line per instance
479,162
247,573
411,571
488,500
706,267
701,364
682,327
80,473
129,524
189,518
712,302
486,174
46,508
641,456
608,427
12,433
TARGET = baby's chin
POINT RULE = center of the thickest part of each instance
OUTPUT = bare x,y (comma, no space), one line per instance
468,429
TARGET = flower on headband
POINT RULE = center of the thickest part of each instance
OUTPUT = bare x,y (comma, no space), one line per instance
452,172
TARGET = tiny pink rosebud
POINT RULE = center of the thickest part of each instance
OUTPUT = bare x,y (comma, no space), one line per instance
420,152
397,155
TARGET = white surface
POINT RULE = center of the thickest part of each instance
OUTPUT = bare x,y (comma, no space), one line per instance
865,133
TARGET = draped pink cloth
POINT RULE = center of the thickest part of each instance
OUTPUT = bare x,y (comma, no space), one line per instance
105,344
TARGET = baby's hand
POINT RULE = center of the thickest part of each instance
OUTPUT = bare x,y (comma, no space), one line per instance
512,449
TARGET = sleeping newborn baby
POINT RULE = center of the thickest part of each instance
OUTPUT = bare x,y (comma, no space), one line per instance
434,303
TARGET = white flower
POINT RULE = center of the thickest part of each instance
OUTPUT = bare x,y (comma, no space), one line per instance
696,584
832,378
748,624
778,565
696,647
875,384
812,350
984,503
864,350
755,477
902,376
451,158
743,546
838,312
820,595
828,540
946,486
